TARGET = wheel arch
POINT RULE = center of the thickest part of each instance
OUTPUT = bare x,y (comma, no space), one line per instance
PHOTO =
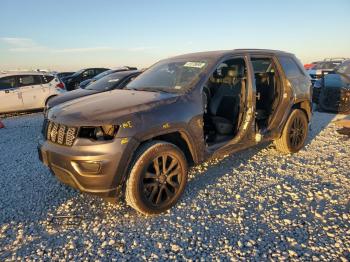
306,107
48,98
178,138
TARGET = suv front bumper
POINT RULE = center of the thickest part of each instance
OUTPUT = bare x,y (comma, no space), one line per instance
97,169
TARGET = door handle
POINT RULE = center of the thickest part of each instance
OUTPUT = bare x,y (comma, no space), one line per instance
258,96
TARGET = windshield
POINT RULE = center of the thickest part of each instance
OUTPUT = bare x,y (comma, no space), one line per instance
106,83
78,72
344,68
99,76
169,76
327,65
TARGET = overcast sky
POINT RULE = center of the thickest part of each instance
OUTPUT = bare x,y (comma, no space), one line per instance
68,35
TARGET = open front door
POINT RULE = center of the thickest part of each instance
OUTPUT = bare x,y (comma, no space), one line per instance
229,110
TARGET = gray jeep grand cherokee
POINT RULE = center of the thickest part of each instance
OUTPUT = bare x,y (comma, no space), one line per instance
139,141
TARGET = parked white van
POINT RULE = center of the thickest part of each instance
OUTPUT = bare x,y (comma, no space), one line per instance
24,91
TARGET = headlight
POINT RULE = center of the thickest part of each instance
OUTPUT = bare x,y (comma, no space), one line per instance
106,132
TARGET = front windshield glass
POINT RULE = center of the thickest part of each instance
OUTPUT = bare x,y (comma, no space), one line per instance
99,76
344,68
327,65
169,76
105,83
78,72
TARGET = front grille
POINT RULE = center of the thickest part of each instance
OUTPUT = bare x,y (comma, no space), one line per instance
59,134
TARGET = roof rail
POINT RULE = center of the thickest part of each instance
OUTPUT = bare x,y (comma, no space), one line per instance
334,59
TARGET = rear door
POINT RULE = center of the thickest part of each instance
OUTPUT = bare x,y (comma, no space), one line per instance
10,95
296,77
33,91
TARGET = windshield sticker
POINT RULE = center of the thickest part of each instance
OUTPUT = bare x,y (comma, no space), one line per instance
113,80
194,64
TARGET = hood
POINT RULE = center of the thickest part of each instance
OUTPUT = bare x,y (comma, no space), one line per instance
67,96
337,81
106,107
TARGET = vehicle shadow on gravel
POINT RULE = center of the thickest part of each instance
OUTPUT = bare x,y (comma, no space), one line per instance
209,172
318,123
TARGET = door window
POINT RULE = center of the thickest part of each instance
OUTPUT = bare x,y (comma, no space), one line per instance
29,80
46,78
290,68
88,73
8,82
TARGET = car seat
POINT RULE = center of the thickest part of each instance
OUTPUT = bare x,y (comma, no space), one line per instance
224,105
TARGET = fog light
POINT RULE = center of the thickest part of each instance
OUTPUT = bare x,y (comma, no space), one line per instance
92,167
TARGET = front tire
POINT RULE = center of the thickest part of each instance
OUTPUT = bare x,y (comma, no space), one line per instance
294,133
157,178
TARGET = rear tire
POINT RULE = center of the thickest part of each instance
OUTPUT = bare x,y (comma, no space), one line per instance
157,178
294,133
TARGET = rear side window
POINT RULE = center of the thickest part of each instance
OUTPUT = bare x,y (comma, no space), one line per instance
261,65
89,73
46,78
29,80
290,68
7,82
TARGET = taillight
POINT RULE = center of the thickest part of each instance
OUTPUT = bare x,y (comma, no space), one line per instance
60,85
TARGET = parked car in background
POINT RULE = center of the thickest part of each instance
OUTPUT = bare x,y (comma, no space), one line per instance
323,67
141,139
112,81
61,75
72,82
332,92
310,66
24,91
99,76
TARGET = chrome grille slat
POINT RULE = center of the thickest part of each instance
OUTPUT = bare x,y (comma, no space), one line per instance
48,133
70,137
61,134
54,132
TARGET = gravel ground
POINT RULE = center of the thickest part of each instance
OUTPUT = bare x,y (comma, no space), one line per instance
255,204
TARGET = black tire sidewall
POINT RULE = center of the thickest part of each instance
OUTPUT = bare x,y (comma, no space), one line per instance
141,165
300,114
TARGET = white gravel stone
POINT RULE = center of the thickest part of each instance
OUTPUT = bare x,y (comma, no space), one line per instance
256,204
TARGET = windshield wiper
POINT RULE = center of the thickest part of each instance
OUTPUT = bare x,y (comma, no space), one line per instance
149,89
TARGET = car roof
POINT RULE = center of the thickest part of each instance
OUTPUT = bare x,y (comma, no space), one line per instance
15,73
219,53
